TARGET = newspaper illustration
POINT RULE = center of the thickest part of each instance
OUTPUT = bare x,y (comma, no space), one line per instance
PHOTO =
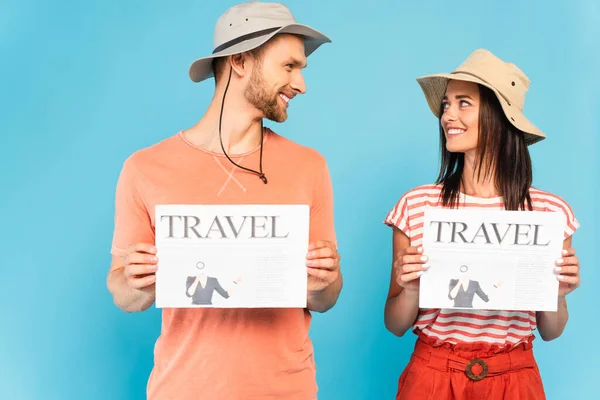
231,256
491,259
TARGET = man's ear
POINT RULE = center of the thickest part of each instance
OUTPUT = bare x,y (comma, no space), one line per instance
240,64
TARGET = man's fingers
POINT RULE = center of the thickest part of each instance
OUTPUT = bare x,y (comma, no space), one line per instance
323,263
141,282
320,244
322,252
323,274
140,258
140,269
142,248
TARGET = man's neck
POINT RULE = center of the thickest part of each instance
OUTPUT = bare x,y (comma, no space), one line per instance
240,126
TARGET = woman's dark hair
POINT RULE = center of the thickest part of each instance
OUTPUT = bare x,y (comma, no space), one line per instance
506,155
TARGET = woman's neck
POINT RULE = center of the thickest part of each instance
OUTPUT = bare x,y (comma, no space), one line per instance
476,184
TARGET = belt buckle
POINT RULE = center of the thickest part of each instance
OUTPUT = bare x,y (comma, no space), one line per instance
470,373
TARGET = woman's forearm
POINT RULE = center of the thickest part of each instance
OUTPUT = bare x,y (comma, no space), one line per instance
551,324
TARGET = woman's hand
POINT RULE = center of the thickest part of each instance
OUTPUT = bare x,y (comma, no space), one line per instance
410,265
567,272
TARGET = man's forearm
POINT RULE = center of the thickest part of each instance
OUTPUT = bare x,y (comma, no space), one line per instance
126,298
325,299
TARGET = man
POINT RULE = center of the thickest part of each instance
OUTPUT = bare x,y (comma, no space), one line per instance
229,158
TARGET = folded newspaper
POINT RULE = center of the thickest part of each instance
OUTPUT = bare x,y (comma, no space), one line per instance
491,259
231,256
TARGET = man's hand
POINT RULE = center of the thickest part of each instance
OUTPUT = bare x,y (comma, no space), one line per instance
323,262
140,265
131,279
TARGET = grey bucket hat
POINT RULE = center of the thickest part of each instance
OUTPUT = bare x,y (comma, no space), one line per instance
247,26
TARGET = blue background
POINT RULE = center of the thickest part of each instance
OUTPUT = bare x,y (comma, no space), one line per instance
84,84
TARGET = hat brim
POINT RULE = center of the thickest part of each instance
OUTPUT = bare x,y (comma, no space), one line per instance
201,69
434,87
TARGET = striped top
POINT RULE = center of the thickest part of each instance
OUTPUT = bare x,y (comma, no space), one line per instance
494,327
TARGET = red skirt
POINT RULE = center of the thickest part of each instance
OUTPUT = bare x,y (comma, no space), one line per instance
449,372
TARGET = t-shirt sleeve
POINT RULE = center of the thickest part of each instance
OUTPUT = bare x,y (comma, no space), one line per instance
132,222
398,216
571,222
322,226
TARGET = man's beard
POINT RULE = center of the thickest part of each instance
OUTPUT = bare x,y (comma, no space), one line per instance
259,96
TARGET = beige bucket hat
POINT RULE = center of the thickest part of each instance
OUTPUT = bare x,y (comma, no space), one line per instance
505,79
248,25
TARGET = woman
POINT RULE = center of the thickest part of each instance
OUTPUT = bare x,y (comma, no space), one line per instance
474,354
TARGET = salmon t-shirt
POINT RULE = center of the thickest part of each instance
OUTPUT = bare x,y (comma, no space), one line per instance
226,353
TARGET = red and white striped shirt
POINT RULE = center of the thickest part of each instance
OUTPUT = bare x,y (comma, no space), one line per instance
494,327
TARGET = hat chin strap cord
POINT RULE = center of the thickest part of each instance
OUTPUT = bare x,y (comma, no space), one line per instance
260,174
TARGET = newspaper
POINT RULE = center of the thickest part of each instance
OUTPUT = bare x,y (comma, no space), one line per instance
491,259
230,256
